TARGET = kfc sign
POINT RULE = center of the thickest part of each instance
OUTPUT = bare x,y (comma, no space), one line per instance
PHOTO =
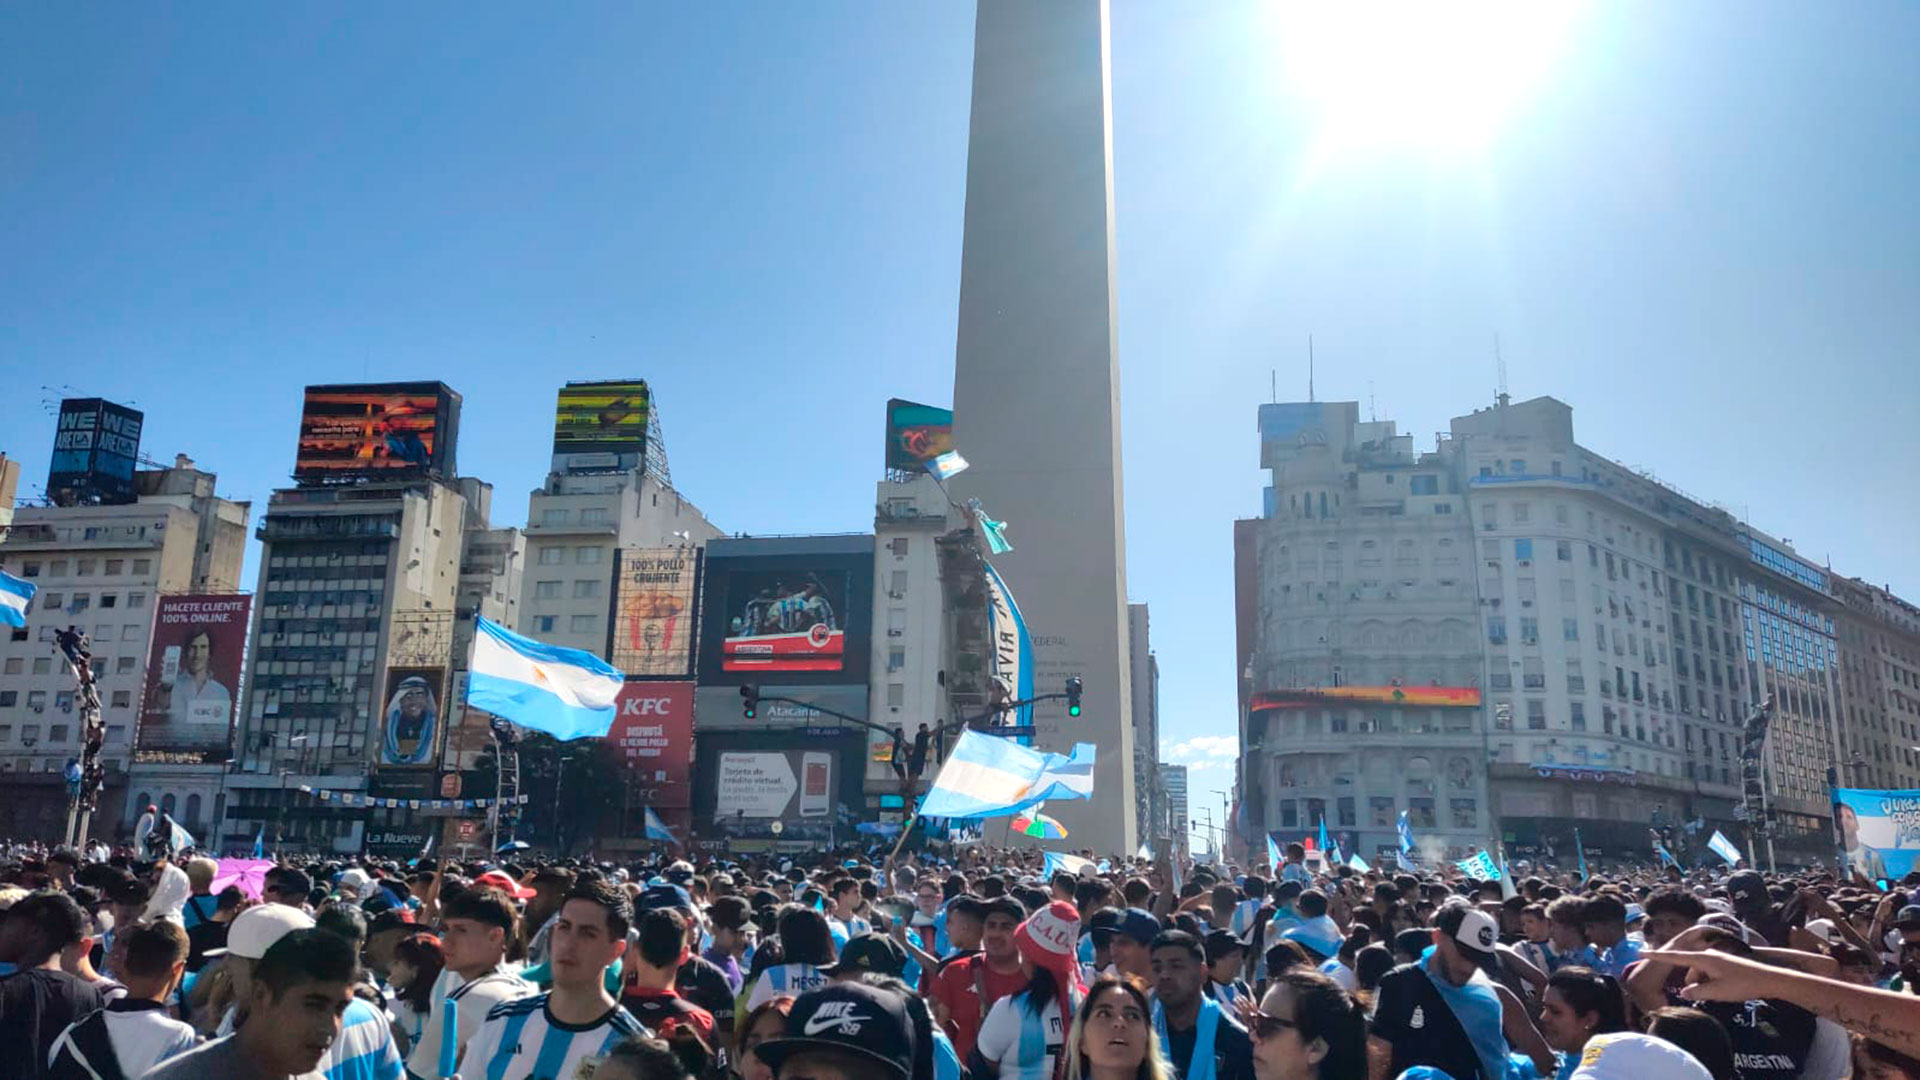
653,731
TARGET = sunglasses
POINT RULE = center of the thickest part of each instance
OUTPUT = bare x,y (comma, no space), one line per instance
1268,1026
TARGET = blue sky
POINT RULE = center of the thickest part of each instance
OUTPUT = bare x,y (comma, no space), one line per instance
1696,223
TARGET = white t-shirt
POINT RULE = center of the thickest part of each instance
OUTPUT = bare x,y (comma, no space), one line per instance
476,999
1022,1045
788,979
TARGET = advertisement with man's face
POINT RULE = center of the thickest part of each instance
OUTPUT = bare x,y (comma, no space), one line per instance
412,716
193,675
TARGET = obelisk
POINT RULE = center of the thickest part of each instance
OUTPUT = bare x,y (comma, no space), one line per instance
1036,393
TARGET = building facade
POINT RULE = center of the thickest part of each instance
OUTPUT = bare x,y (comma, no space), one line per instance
103,568
909,642
1173,781
1879,638
1143,675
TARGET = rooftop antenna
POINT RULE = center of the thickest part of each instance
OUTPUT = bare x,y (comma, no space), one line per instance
1273,385
1309,368
1500,366
1373,413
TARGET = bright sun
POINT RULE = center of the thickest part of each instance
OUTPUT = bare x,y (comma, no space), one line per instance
1443,74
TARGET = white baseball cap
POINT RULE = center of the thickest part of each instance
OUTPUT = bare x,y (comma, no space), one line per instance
1627,1055
1477,934
1825,930
254,930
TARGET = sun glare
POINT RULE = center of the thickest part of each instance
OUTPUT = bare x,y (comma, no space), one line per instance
1444,75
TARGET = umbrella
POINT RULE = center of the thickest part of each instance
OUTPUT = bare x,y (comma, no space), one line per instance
1038,825
512,845
249,874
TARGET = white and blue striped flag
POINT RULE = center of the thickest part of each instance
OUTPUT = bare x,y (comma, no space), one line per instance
657,829
1724,848
1406,835
1072,864
987,776
567,693
1358,863
15,595
946,466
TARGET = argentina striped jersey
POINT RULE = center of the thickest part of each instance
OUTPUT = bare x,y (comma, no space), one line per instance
521,1040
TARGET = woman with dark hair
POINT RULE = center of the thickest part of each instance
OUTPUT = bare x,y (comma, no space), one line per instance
1579,1003
1307,1028
1368,965
417,961
1112,1037
1702,1037
807,945
1022,1035
769,1021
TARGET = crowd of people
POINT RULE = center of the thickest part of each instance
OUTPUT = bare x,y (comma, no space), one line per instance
980,965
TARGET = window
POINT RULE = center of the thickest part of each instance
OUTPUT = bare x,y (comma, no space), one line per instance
1529,630
43,665
1519,467
1380,811
1497,629
543,624
143,566
1420,813
897,585
583,624
129,631
116,567
30,569
593,515
1423,485
546,590
1443,508
1491,516
1560,515
9,698
1523,550
14,664
552,556
586,556
553,517
51,601
37,700
1522,513
136,600
1570,629
108,600
124,665
1536,715
57,733
896,658
896,695
103,632
898,545
1563,550
1579,716
123,699
1289,814
80,602
1465,813
586,589
83,567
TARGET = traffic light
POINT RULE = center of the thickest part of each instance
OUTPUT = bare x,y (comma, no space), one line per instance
749,701
1073,696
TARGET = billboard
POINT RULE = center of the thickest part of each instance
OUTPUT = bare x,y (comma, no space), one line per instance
602,417
359,431
1435,696
653,611
916,433
653,733
95,445
781,783
1877,831
411,717
786,621
193,679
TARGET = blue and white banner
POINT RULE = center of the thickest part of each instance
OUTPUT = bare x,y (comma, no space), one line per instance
1879,831
15,595
1011,666
1274,858
1358,863
657,829
567,693
1480,867
1406,835
1072,864
1724,848
986,776
946,466
1665,856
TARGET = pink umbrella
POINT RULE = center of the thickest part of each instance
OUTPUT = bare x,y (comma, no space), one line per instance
249,874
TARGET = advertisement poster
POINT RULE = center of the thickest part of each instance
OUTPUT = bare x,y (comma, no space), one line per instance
653,731
1877,831
774,784
916,433
193,674
95,444
356,431
653,610
601,418
412,716
785,621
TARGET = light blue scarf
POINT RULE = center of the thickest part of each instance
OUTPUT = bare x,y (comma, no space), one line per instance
1477,1008
1200,1066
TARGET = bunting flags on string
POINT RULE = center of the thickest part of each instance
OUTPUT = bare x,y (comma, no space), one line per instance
356,798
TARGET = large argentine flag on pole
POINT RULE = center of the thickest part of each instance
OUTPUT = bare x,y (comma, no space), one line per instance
14,595
567,693
1012,660
987,776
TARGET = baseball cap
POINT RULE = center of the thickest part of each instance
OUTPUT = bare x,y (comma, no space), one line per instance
391,919
1138,925
1101,925
657,897
1747,886
1628,1055
254,930
499,879
851,1018
869,952
1635,913
1220,943
1825,930
1476,933
1907,918
352,881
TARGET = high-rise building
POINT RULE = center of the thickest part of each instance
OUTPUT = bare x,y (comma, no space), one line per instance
909,617
103,567
9,487
1143,673
609,489
1879,720
1511,635
1173,781
1036,383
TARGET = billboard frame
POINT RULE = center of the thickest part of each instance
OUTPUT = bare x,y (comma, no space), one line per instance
586,433
179,619
427,757
315,463
628,594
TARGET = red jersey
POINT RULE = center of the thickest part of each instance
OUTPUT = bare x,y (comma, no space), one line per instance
663,1011
958,987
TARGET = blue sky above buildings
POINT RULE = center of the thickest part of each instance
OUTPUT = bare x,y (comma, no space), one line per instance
1694,223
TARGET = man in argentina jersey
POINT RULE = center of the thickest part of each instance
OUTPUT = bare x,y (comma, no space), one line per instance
561,1034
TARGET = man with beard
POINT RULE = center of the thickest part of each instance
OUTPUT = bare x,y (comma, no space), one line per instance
1201,1039
410,721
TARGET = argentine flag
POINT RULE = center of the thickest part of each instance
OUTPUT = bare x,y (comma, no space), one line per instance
1406,835
1724,848
657,829
987,776
567,693
1072,864
15,593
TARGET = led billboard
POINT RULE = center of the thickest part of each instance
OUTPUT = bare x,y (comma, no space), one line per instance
916,433
602,418
359,431
412,716
780,783
95,445
193,679
786,620
794,610
653,611
653,734
1440,696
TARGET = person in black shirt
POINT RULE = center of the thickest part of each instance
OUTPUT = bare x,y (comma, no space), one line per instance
1418,1018
39,1001
1190,1022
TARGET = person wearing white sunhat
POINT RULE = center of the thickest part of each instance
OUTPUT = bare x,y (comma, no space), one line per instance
1628,1055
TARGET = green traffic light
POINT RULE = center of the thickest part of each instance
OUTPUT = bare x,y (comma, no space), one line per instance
1073,710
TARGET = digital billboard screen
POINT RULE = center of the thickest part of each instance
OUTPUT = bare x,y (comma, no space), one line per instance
653,734
774,783
354,432
193,679
786,621
602,418
916,433
411,718
653,611
95,446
